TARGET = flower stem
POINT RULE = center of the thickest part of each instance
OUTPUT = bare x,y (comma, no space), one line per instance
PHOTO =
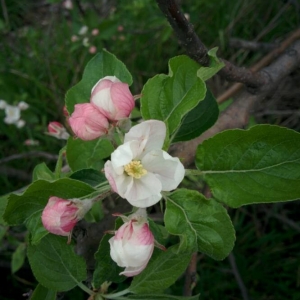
59,163
85,288
116,295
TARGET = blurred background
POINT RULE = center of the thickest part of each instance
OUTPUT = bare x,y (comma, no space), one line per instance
44,48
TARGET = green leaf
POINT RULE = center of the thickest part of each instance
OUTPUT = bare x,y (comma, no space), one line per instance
101,65
215,65
41,171
3,203
170,97
202,224
161,272
259,165
158,297
199,119
87,154
160,233
106,269
89,176
28,206
36,227
42,293
18,257
55,265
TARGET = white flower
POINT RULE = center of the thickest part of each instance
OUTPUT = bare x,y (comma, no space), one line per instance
12,114
20,123
2,104
23,105
83,30
139,170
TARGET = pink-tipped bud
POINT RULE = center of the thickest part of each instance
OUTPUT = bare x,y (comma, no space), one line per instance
60,215
120,28
113,98
93,49
87,122
132,245
95,31
57,130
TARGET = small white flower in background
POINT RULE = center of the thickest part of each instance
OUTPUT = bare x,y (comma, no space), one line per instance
20,123
12,113
57,130
85,42
133,244
139,170
83,30
2,104
68,4
23,105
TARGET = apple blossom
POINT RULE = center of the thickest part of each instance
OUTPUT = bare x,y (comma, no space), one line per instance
23,105
2,104
133,244
57,130
139,170
60,215
87,122
12,113
113,98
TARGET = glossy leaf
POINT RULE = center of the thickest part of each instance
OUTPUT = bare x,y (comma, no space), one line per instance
42,293
106,269
170,97
18,257
214,67
199,119
3,203
202,224
41,171
87,154
89,176
55,265
162,271
259,165
101,65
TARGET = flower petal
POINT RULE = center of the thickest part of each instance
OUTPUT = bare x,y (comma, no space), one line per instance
167,169
144,192
150,134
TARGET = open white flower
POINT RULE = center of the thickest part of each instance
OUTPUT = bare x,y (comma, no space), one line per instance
139,169
12,113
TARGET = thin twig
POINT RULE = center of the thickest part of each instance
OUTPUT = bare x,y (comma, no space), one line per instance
238,277
190,276
29,154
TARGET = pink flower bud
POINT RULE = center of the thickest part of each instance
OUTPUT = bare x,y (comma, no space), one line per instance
93,49
95,31
60,215
132,245
65,111
87,122
120,28
113,98
57,130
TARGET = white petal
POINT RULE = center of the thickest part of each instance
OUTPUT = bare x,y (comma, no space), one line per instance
144,192
132,271
123,155
103,101
116,252
169,170
136,256
150,134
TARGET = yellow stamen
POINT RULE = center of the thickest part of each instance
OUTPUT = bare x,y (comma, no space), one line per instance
135,169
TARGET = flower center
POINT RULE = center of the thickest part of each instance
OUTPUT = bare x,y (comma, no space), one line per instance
135,169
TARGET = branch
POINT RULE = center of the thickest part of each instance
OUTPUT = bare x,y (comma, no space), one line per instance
197,50
28,154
